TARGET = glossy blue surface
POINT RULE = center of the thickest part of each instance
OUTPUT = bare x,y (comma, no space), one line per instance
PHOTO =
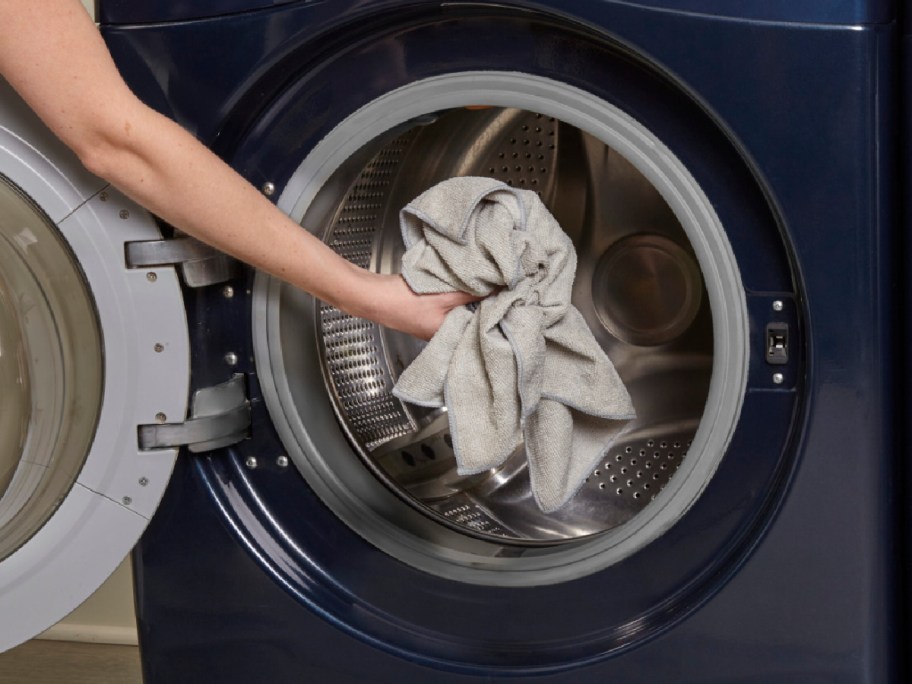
834,12
155,11
786,568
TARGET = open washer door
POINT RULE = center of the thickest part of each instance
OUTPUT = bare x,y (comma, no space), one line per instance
89,350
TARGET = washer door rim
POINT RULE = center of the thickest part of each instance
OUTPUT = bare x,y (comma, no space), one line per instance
118,487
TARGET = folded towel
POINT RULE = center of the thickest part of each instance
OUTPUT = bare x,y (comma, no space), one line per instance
523,366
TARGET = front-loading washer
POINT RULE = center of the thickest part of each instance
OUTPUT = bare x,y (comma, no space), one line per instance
725,174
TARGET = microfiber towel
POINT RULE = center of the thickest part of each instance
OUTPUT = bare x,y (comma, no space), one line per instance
523,366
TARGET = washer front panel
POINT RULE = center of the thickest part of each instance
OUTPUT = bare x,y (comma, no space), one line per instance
119,487
780,570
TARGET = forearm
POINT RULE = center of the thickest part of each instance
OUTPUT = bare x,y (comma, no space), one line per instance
166,170
53,55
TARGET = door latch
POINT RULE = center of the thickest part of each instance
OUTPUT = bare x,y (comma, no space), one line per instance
199,263
219,416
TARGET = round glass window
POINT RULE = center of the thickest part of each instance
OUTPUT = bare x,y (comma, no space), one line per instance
50,368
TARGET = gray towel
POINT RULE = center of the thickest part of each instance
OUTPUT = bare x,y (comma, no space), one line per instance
523,366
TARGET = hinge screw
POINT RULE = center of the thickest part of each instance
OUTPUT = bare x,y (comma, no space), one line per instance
124,214
143,481
151,276
231,359
159,347
268,189
161,417
251,462
778,378
228,291
282,461
127,501
778,305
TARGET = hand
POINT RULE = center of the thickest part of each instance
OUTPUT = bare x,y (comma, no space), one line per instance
397,306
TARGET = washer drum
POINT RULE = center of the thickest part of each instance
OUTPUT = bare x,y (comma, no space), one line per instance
638,286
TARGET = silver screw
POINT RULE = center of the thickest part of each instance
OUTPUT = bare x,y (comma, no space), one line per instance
127,501
143,481
282,461
103,196
231,359
778,305
124,214
251,462
161,417
159,347
228,291
151,276
268,189
778,378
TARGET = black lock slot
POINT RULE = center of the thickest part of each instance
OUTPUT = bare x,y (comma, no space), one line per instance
777,340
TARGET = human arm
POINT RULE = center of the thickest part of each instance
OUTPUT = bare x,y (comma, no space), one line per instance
53,55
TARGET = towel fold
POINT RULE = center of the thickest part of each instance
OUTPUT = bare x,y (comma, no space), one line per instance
523,367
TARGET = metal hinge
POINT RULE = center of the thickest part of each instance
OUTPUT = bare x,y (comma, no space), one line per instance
199,263
219,416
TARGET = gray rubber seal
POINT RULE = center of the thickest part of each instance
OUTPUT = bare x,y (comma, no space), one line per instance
318,448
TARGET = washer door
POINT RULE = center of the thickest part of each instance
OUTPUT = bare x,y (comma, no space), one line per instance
89,350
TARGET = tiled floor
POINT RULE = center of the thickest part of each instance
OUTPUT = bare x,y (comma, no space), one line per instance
64,662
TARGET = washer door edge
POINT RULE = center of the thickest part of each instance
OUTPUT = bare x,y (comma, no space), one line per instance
119,486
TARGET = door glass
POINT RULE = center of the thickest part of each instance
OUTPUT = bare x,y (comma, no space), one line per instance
50,368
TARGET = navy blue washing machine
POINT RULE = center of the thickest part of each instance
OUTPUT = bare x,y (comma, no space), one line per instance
727,172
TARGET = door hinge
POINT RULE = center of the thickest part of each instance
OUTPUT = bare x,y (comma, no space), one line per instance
219,416
199,263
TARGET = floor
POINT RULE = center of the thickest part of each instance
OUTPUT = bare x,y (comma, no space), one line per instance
66,662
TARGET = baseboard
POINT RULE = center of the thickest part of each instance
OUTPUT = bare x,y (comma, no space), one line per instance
98,634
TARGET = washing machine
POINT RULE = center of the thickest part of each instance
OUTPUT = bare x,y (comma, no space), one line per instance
727,173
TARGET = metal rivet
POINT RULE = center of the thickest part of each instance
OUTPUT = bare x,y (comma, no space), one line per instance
103,196
151,276
231,359
778,305
282,461
143,481
159,347
161,417
228,291
778,378
124,214
251,462
268,189
127,501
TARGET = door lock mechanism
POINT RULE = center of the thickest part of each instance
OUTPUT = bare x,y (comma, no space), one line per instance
777,343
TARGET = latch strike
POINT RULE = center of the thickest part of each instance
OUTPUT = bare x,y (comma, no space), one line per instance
777,343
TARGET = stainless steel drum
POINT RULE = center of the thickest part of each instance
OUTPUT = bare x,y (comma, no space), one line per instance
638,286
